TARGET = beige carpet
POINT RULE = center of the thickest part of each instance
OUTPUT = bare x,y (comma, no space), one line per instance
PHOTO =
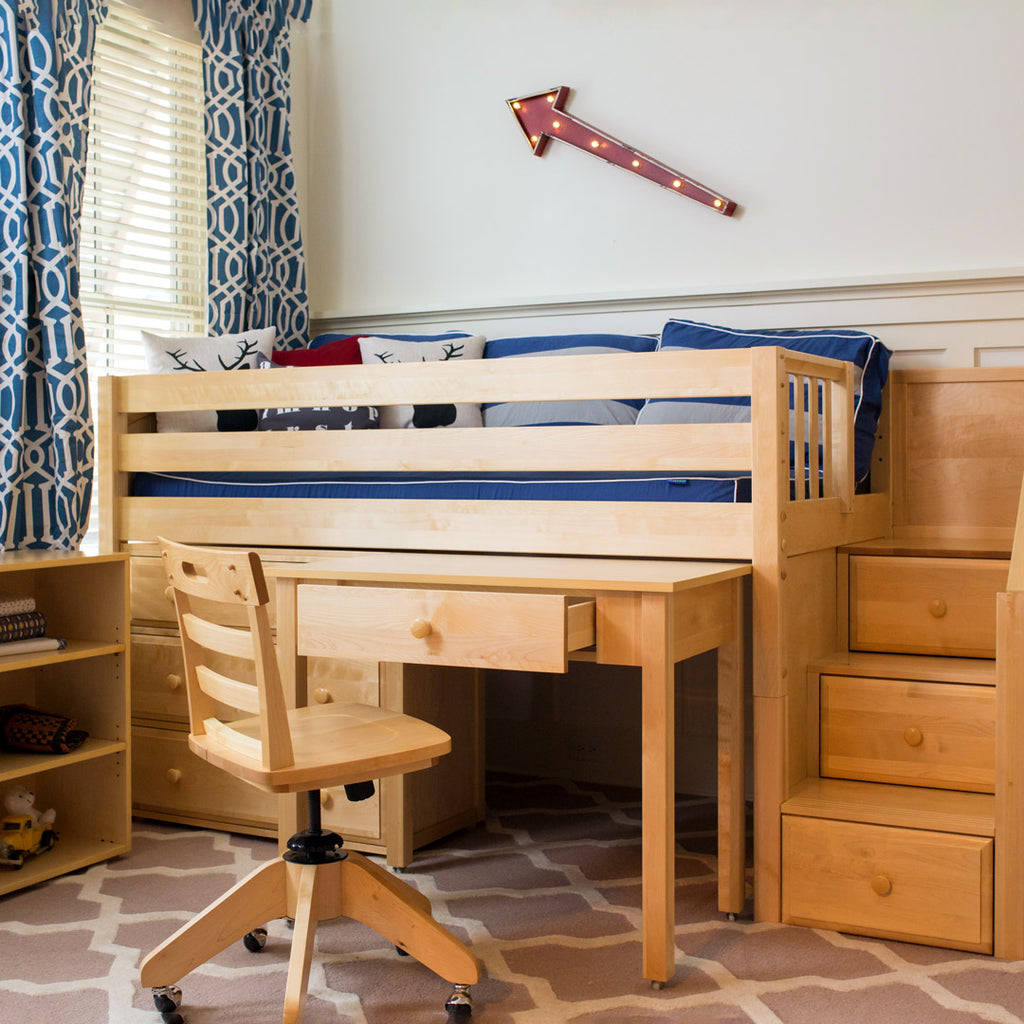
547,893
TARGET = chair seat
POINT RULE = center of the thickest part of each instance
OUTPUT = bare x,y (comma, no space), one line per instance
333,744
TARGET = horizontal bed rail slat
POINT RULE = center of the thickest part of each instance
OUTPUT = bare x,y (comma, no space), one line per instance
554,378
660,447
628,529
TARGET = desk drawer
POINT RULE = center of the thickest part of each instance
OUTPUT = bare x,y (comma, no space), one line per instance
169,780
477,629
920,734
925,605
896,883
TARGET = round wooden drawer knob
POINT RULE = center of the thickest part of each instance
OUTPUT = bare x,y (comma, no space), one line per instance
420,628
326,800
882,885
322,695
937,608
912,736
173,682
173,776
169,594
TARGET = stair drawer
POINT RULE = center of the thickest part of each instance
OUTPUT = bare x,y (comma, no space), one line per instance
168,779
477,629
925,605
933,888
912,733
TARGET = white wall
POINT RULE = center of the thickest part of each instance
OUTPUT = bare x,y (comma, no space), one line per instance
871,140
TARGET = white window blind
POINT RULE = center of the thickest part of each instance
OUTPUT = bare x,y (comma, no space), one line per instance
142,255
143,232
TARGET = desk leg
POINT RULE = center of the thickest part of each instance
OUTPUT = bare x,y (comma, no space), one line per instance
658,778
732,822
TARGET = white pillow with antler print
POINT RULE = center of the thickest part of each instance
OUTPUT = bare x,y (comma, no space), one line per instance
396,350
199,355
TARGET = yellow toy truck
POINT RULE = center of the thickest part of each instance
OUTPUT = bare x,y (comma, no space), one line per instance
19,839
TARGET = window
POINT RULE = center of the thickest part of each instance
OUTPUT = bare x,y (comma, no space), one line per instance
142,255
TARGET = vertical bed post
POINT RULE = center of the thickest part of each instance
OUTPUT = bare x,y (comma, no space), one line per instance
110,482
769,413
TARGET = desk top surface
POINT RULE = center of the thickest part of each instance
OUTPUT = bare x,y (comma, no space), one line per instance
534,571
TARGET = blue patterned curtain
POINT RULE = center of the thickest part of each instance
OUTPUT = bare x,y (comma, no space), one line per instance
257,271
46,430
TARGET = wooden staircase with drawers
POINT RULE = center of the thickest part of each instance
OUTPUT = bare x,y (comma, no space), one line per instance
895,831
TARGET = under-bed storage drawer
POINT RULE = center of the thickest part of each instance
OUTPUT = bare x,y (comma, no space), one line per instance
477,629
916,733
925,605
169,780
896,883
153,601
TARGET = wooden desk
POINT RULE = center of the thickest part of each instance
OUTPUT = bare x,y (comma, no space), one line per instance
530,613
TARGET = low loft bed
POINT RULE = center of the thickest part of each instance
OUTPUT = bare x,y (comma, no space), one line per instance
793,513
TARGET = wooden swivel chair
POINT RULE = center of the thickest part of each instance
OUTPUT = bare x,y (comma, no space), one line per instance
284,750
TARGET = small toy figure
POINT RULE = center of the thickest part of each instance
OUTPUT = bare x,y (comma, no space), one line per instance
24,830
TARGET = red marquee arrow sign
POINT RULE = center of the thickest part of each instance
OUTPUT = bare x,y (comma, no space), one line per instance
542,117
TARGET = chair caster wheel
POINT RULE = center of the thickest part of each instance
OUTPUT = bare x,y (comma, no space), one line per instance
255,940
167,999
658,985
402,952
459,1005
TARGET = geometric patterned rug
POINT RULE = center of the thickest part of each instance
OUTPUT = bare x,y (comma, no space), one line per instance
547,892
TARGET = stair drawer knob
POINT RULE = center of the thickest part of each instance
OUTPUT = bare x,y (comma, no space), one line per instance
420,628
322,695
937,608
912,736
326,800
882,885
169,594
173,681
173,776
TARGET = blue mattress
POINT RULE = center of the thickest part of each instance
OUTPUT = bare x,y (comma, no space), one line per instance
453,486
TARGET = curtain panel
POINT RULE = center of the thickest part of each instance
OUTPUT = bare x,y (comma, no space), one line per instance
257,273
46,430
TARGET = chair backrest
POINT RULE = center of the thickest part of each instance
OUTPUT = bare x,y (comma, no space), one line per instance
205,581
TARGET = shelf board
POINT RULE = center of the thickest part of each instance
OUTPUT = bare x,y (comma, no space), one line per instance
70,854
16,765
935,810
75,650
913,667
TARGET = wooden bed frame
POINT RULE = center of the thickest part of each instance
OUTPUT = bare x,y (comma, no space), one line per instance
789,537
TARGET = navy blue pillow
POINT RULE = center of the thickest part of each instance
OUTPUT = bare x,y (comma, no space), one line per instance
869,356
595,411
357,417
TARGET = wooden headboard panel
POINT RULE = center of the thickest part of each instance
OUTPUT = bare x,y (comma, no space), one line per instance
957,451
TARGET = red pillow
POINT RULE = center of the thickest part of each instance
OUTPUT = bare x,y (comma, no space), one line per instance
340,352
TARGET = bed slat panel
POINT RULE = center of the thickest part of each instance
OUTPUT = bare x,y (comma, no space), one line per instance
669,447
631,528
650,375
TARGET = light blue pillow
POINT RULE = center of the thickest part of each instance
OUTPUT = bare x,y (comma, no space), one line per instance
572,412
869,356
